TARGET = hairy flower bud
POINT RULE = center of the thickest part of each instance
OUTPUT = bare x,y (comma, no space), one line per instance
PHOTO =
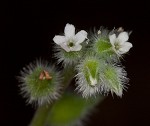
88,77
40,83
114,79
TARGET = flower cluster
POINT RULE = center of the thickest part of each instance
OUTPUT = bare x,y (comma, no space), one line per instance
97,65
95,57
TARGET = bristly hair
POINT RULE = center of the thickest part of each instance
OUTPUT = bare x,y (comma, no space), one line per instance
83,86
38,91
66,58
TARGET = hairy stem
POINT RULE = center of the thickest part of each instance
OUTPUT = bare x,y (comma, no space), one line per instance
40,116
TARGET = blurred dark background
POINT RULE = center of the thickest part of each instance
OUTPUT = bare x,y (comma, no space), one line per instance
27,30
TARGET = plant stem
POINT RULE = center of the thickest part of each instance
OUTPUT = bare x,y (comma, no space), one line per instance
40,116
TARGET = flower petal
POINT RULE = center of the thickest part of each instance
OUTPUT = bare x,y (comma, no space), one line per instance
125,47
80,36
69,30
59,39
123,37
93,81
112,39
76,47
65,47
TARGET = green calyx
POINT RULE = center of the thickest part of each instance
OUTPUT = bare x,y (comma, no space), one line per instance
113,81
68,58
72,54
103,46
91,71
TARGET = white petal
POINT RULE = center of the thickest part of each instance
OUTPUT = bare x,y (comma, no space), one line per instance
59,39
65,47
69,30
123,37
76,47
93,81
125,47
80,36
112,39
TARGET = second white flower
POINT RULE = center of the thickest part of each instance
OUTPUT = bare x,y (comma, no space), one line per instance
120,44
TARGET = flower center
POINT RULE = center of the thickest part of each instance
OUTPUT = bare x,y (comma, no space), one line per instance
93,81
117,45
70,44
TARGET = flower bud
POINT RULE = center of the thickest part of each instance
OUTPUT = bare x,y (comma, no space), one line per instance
115,79
88,77
40,83
101,44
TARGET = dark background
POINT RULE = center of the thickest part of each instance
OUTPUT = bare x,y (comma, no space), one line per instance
27,30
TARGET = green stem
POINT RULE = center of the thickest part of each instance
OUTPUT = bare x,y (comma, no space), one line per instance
40,116
68,75
41,113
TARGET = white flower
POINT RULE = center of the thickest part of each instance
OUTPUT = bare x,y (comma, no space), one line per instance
70,42
120,44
